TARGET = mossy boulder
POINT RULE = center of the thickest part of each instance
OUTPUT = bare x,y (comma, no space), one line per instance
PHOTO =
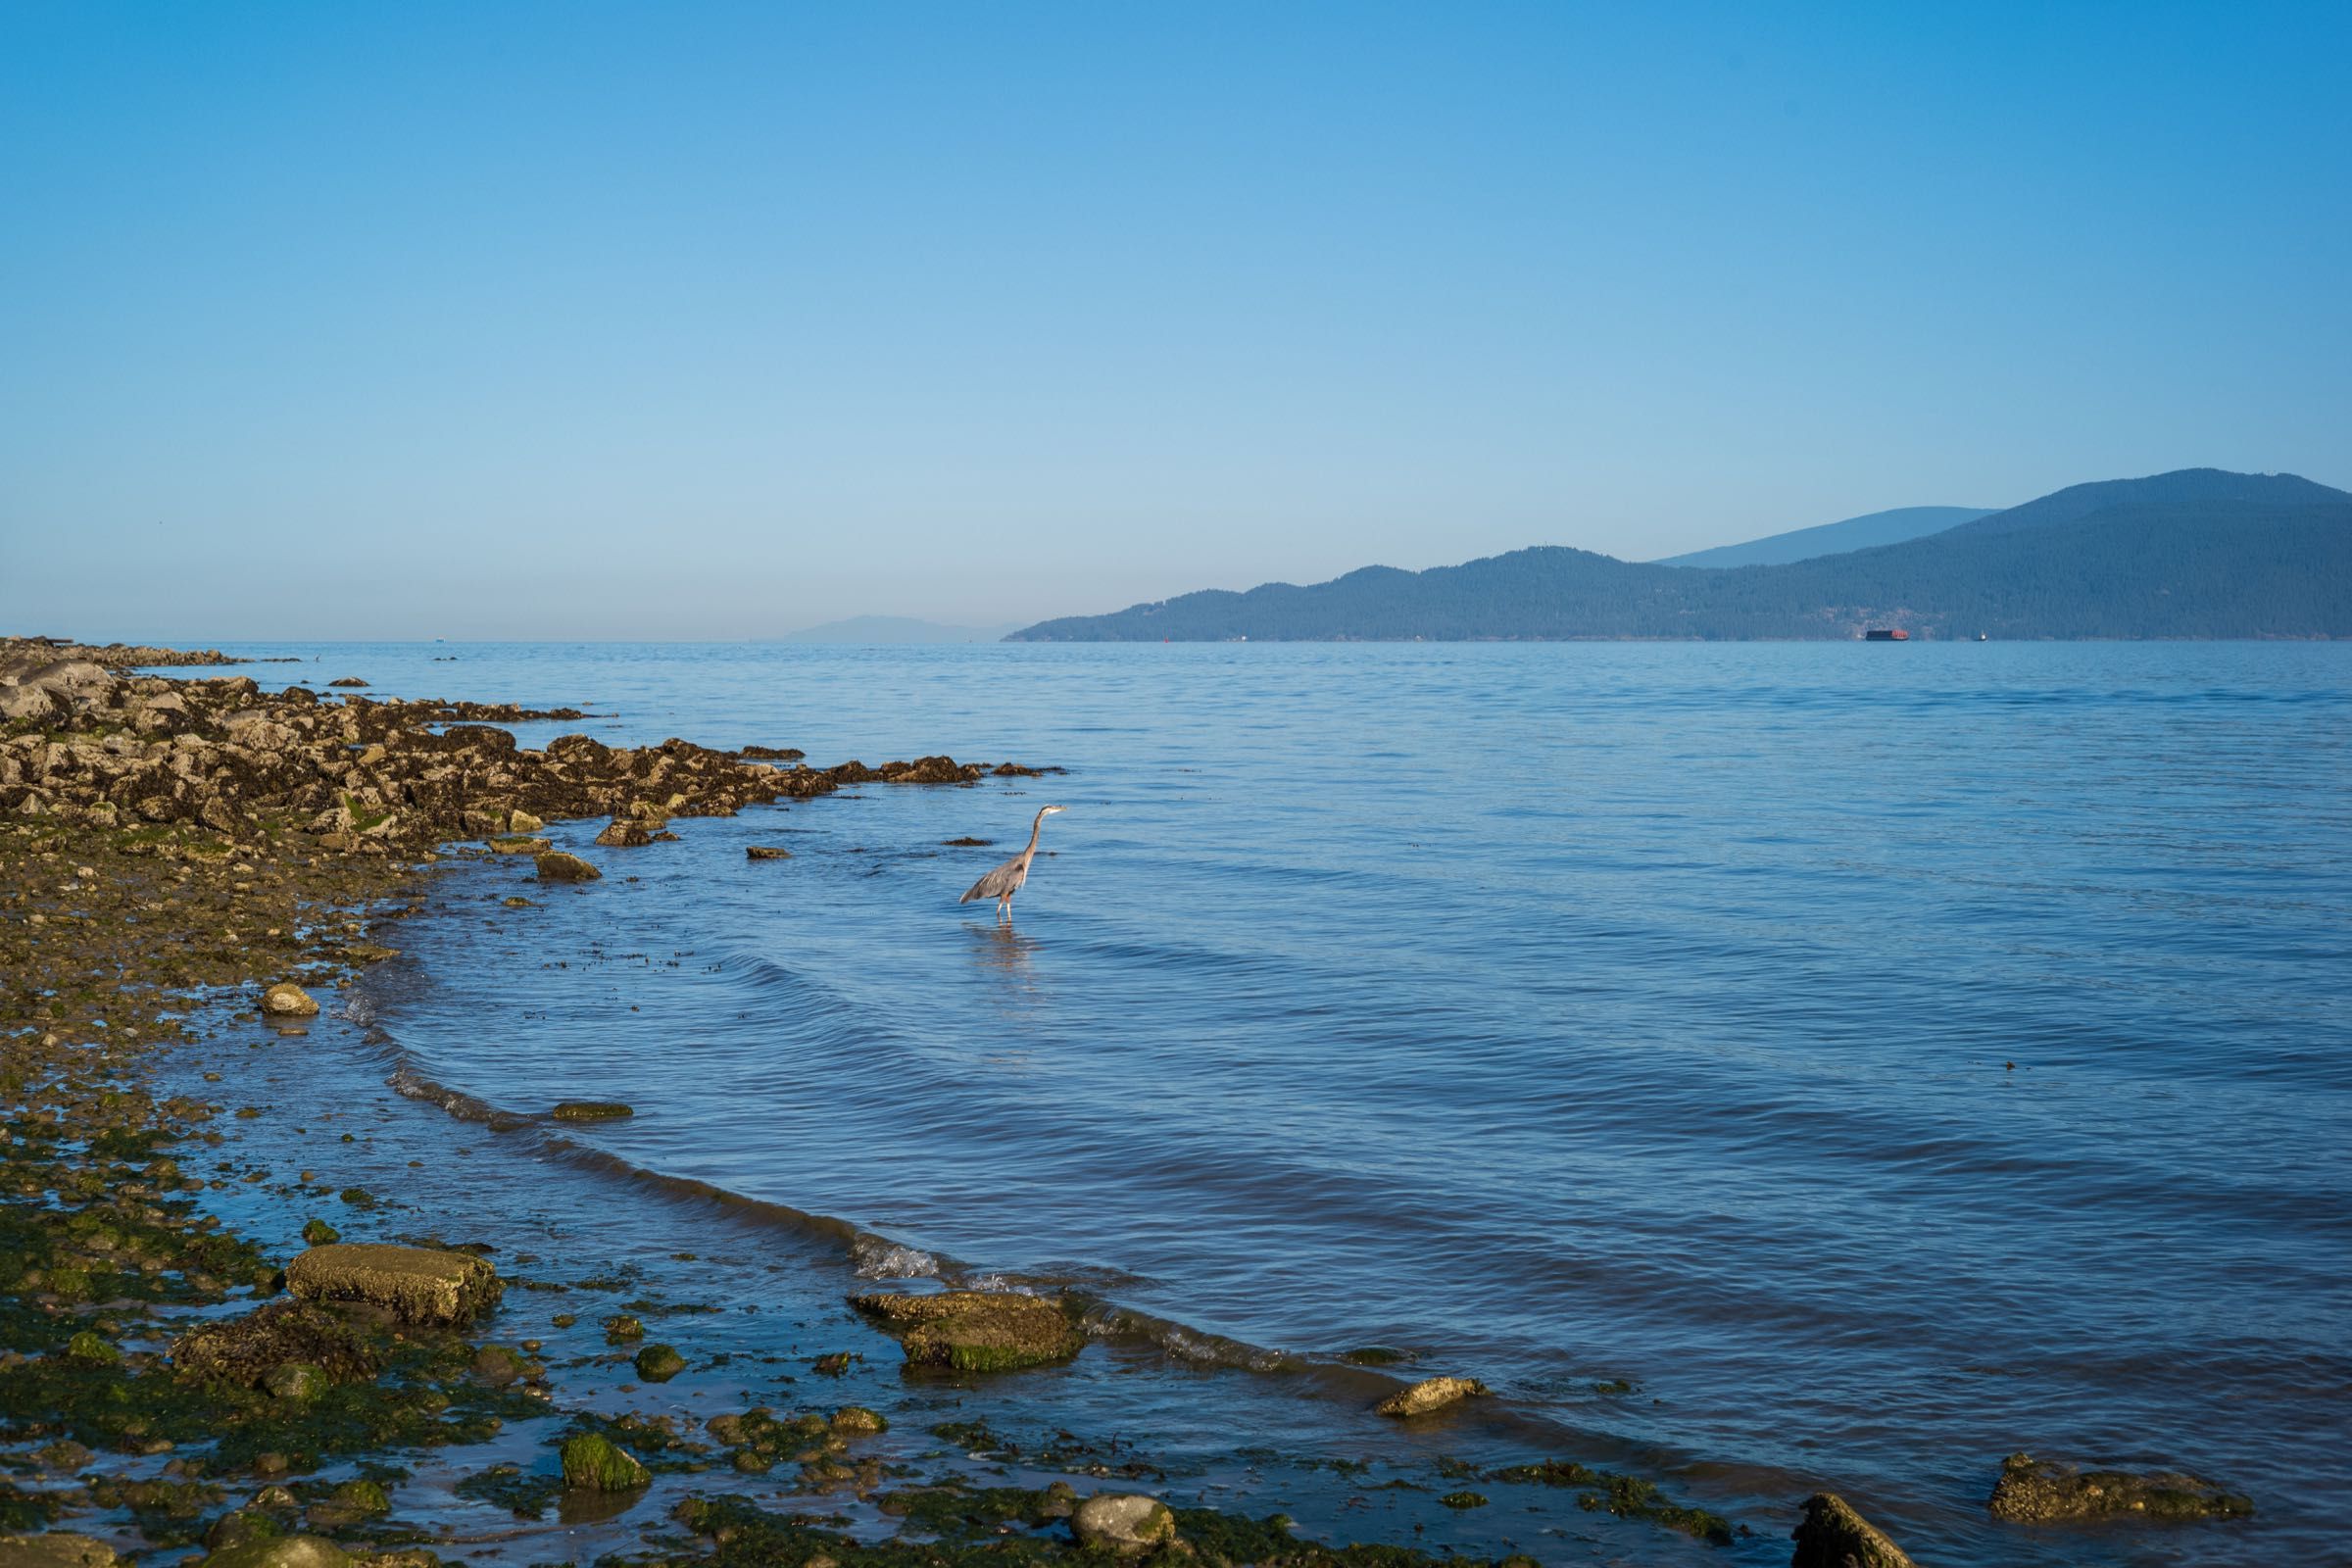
2036,1492
594,1463
658,1364
286,1000
286,1551
622,1327
1832,1535
59,1548
318,1233
1126,1524
498,1366
1430,1393
557,867
977,1330
856,1421
415,1284
87,1348
297,1382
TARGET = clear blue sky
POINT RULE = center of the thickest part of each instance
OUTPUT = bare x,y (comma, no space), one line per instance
484,319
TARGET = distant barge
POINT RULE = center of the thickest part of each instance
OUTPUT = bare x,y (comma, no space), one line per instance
1885,634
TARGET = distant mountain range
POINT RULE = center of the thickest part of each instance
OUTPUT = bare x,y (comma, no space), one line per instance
1833,538
893,629
2197,553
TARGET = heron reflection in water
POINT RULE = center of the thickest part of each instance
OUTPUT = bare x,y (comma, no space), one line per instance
1006,879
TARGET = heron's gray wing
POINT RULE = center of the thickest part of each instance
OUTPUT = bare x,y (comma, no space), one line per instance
1003,880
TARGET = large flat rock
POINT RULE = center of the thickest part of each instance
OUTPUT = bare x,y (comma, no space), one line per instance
415,1284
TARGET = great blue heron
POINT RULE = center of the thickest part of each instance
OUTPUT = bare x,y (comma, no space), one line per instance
1006,879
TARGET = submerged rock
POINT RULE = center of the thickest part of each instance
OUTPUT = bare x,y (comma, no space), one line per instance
59,1548
594,1464
557,867
977,1330
592,1111
1430,1393
418,1284
2034,1492
1123,1524
767,852
286,1000
1832,1535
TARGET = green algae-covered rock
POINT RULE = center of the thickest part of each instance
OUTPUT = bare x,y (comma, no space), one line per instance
297,1382
856,1421
366,1497
621,1327
289,1552
2034,1492
418,1284
658,1364
498,1366
557,867
318,1233
977,1330
87,1348
1832,1535
58,1548
594,1464
1124,1525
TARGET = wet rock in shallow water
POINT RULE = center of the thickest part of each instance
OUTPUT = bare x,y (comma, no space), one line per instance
557,867
58,1548
87,1348
621,835
592,1111
2033,1491
1430,1393
658,1364
1464,1499
1832,1535
593,1463
976,1331
621,1326
419,1283
291,1551
318,1233
856,1421
496,1365
522,821
350,681
1122,1524
518,844
767,852
286,1000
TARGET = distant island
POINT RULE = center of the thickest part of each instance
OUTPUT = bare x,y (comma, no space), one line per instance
2199,553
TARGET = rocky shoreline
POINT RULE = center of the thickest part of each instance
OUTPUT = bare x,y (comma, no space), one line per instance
175,852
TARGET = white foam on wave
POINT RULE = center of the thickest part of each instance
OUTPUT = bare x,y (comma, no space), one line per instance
877,1257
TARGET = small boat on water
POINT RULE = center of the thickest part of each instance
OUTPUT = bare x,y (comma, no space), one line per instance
1980,637
1885,634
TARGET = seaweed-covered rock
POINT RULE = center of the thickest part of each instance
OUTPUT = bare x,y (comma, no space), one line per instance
765,851
286,1000
1430,1393
1123,1524
977,1330
557,867
250,1351
1832,1535
286,1551
594,1464
2036,1492
59,1548
88,1348
498,1366
318,1233
592,1111
297,1382
658,1364
417,1284
856,1421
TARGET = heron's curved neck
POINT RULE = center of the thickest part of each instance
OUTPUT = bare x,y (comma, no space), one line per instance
1035,828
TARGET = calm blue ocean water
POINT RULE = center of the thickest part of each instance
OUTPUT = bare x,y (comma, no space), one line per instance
1884,1058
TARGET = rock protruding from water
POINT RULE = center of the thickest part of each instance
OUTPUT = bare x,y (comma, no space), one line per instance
557,867
1832,1535
594,1464
415,1284
658,1364
286,1000
284,1552
592,1111
623,835
520,843
767,852
2037,1491
977,1330
1125,1524
59,1548
1430,1393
